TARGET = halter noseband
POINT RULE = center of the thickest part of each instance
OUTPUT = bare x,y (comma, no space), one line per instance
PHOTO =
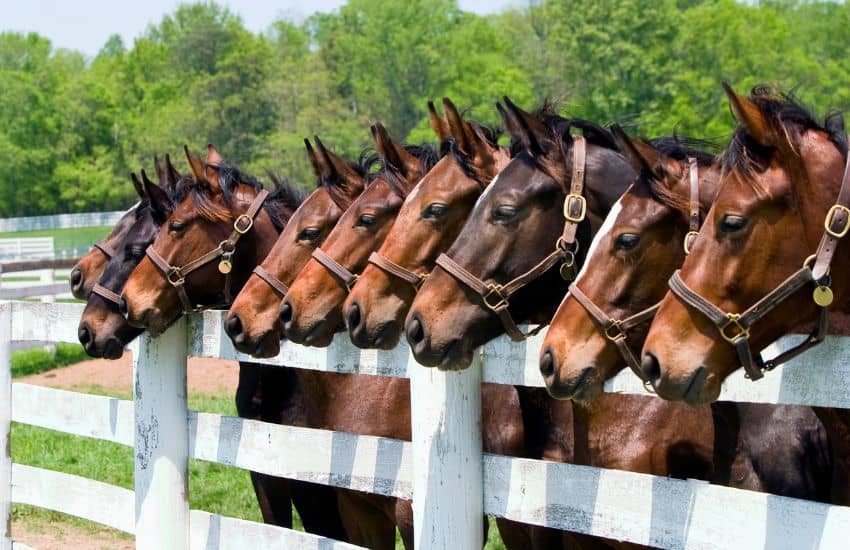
735,327
107,250
496,296
616,330
176,276
276,284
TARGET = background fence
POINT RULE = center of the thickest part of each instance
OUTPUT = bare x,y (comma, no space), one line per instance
60,221
443,469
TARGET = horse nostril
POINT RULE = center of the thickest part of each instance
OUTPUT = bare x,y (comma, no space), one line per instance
285,314
650,367
353,318
415,331
85,335
547,364
76,278
233,326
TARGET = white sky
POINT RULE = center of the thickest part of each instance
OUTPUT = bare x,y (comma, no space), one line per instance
85,25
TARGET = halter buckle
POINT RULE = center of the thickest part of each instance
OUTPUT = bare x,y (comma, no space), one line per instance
175,277
495,290
614,330
571,200
734,320
248,220
689,238
830,216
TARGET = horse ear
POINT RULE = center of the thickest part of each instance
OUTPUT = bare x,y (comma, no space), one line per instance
438,124
750,116
159,201
507,119
315,161
172,176
392,152
196,164
462,132
211,166
160,171
535,136
335,166
138,185
642,156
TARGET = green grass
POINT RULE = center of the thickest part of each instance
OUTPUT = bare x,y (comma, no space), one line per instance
65,239
33,361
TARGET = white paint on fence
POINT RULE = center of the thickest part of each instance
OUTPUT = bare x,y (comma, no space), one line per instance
26,248
5,426
447,469
161,441
59,221
657,511
97,416
85,498
214,532
350,461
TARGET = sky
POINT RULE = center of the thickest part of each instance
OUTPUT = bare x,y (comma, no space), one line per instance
85,25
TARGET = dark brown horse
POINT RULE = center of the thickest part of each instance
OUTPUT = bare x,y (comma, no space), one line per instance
252,322
88,270
759,447
426,225
781,174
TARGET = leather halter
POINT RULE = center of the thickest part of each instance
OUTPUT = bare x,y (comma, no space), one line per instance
735,327
496,296
276,284
107,250
616,330
176,276
108,295
389,266
341,274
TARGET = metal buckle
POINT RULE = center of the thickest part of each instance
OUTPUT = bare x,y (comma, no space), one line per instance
247,228
733,319
614,324
827,222
350,284
497,290
688,240
175,277
568,202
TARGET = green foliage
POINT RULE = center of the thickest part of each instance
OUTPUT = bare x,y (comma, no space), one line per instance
33,361
71,128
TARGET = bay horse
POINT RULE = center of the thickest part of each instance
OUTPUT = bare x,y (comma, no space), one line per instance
252,321
89,268
427,223
512,229
775,449
770,240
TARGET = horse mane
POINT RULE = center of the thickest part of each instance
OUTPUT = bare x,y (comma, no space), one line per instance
785,112
283,200
339,188
450,147
427,156
678,148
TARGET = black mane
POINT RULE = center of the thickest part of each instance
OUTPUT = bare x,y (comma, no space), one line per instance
679,148
449,147
427,156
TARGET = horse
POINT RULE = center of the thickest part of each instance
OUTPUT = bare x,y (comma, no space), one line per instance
603,320
252,321
775,207
428,222
510,236
89,268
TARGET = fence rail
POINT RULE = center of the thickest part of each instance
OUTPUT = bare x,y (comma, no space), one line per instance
443,469
59,221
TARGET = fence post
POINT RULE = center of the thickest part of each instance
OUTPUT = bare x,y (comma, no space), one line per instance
5,426
162,441
448,484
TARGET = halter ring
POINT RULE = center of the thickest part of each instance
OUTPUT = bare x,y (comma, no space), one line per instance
614,331
494,289
175,277
243,218
733,320
689,238
569,202
830,215
353,281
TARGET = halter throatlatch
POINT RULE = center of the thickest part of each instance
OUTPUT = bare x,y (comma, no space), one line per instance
176,276
735,327
616,330
496,296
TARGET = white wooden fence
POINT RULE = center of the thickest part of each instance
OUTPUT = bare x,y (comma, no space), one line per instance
444,471
26,248
59,221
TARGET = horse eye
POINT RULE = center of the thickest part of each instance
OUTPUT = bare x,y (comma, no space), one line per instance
504,212
626,241
366,220
435,210
732,223
309,234
176,226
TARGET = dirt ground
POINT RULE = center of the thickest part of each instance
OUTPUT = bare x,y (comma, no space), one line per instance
211,376
205,375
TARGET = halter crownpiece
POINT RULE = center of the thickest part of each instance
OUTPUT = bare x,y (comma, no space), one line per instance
176,276
735,327
616,330
496,296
